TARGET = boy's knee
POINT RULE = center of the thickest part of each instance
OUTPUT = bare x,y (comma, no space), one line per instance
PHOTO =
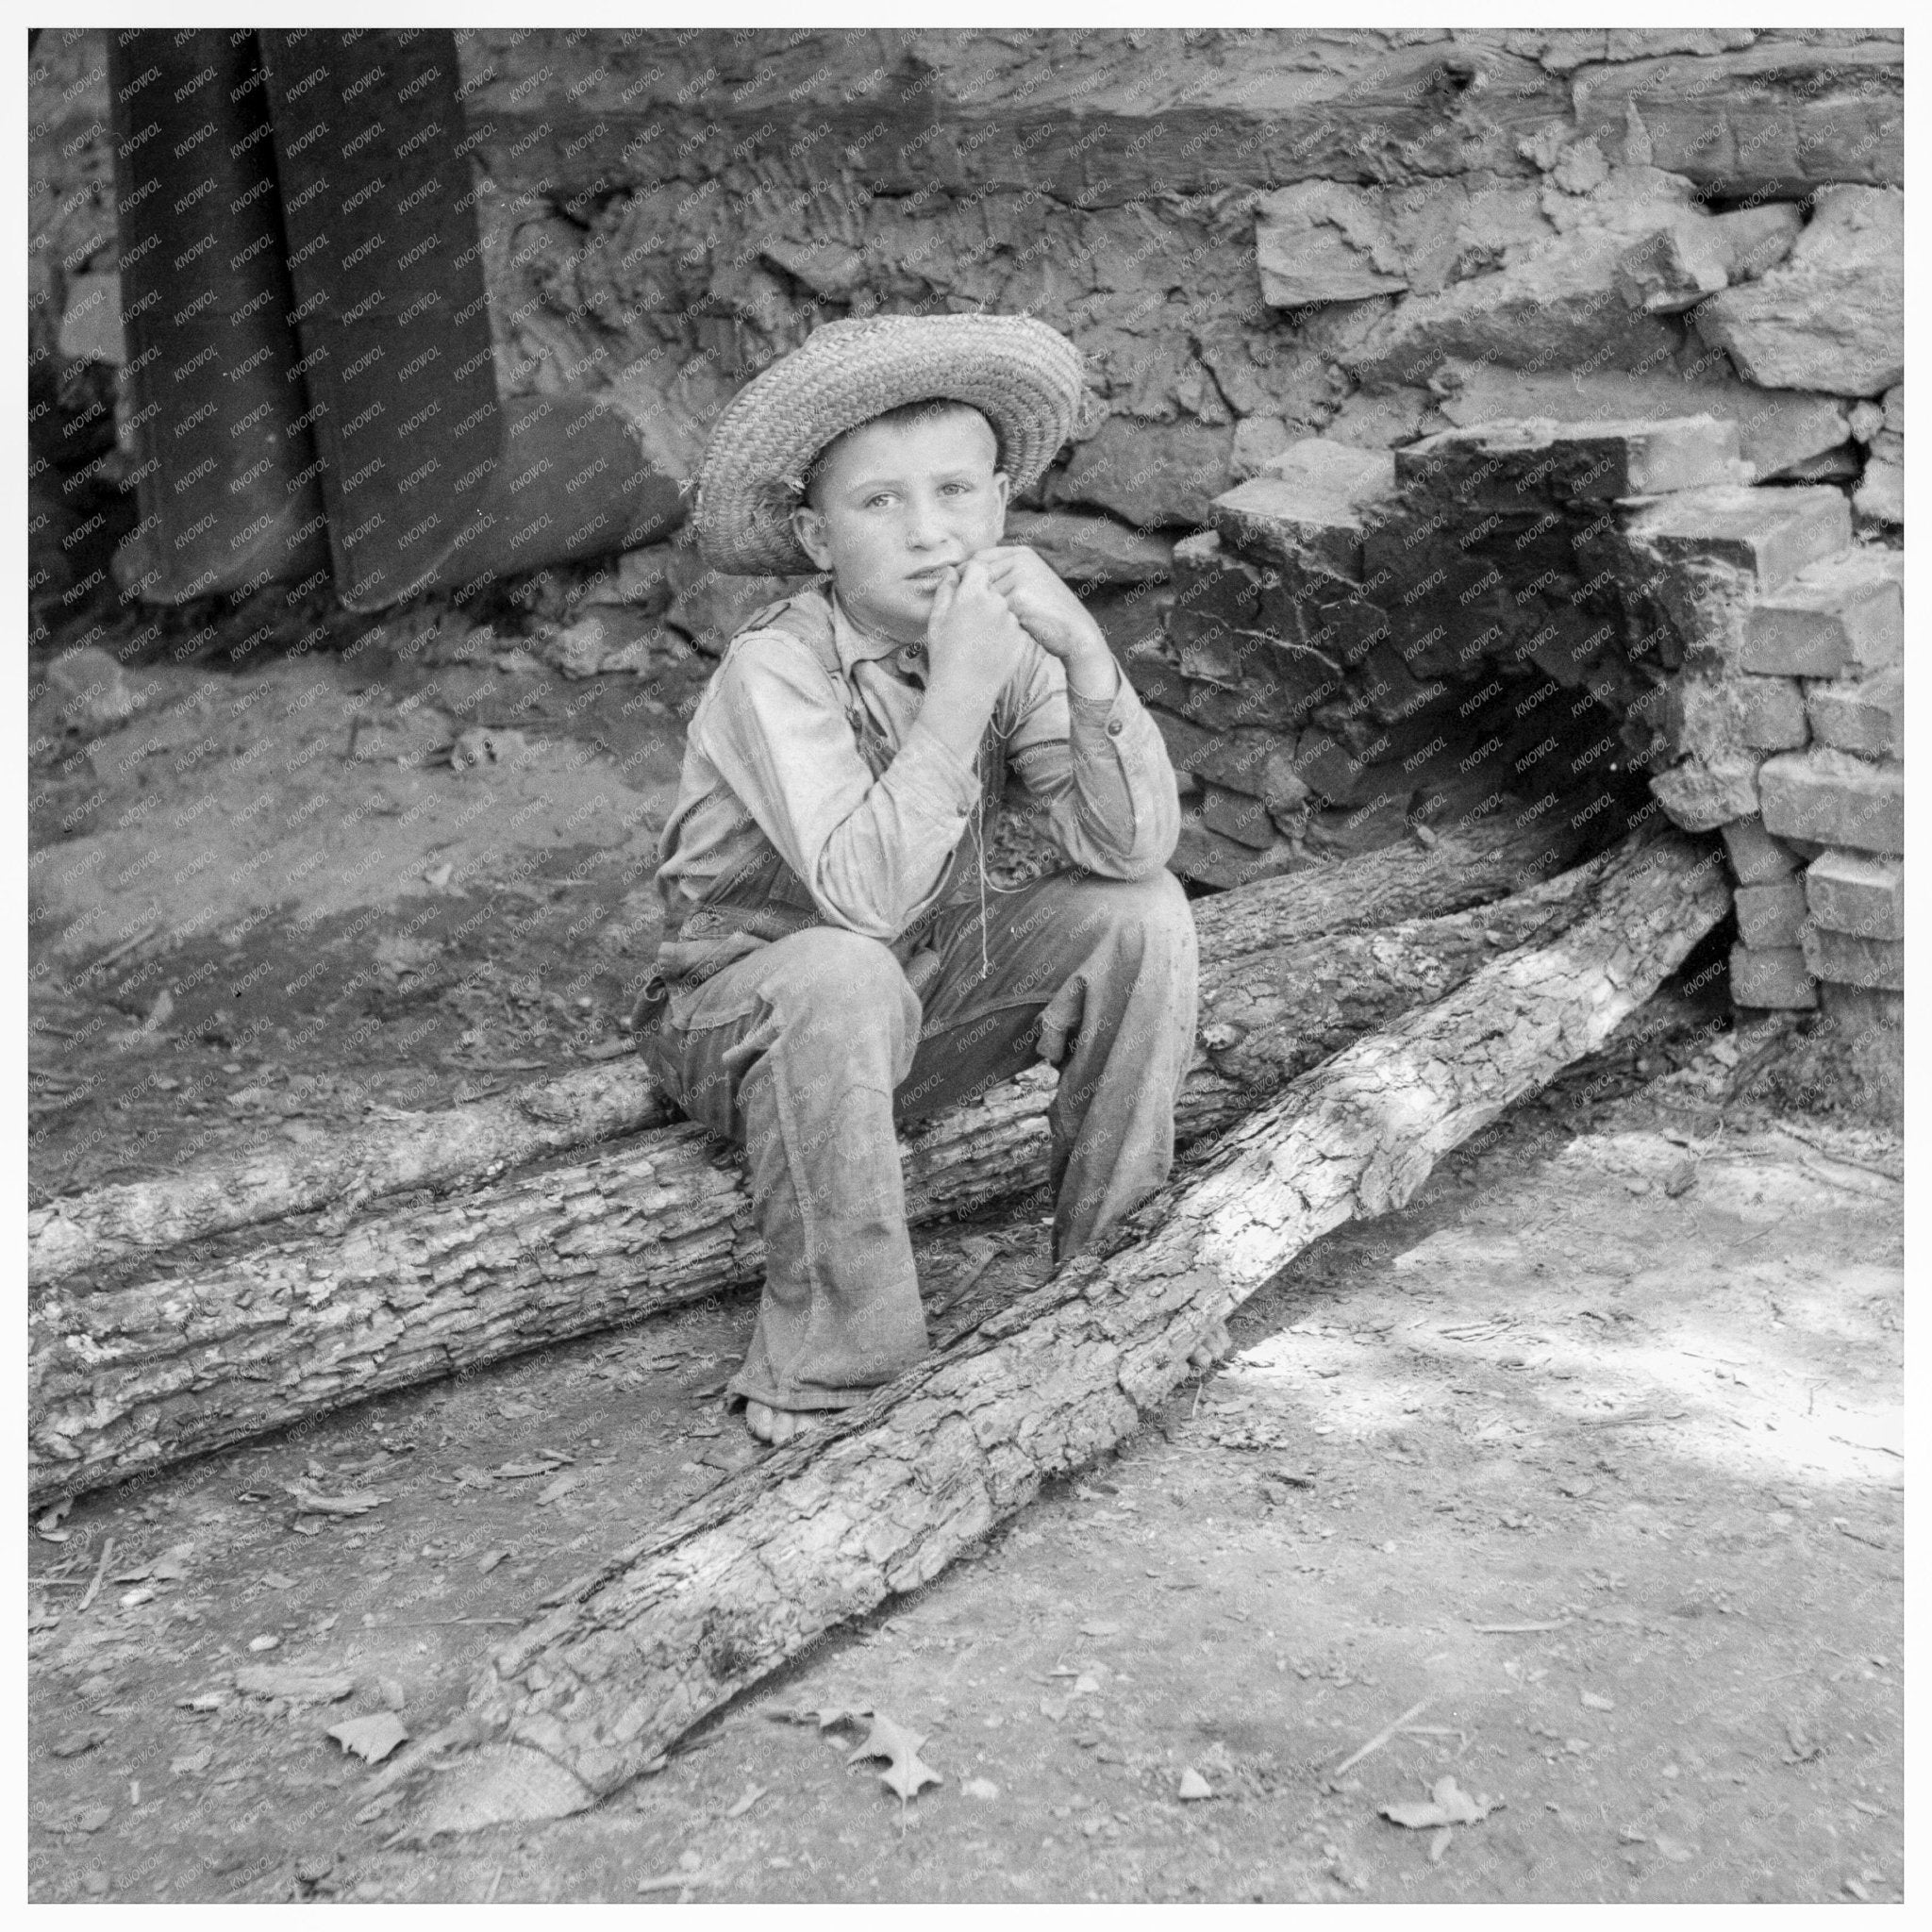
840,976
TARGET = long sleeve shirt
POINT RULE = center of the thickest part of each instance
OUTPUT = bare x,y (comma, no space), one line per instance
772,761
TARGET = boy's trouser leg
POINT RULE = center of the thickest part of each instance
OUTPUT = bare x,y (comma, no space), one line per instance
794,1052
1098,975
798,1051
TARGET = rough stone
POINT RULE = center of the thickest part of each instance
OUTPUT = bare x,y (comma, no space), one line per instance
90,328
1851,891
1881,492
1259,764
1308,509
1381,818
604,641
1862,714
1776,978
1237,815
1757,857
1832,316
1777,119
94,691
1701,793
1847,611
1256,440
1326,766
1554,309
1256,700
1835,798
1849,960
1150,473
1770,915
1325,241
1772,534
1527,464
1093,550
1698,256
1771,713
1214,859
1775,432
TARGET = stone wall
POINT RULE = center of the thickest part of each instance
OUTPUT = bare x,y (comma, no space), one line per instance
1280,251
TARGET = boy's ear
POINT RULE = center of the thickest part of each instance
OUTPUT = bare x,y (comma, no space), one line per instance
809,527
1003,486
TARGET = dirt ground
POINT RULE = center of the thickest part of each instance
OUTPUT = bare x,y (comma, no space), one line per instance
1579,1482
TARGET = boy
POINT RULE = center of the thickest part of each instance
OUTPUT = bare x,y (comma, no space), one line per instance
836,961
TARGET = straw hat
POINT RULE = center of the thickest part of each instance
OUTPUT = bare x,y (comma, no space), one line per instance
1022,374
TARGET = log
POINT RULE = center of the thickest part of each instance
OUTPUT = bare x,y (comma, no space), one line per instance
881,1499
461,1146
134,1377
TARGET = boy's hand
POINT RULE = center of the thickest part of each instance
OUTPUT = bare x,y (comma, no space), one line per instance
1052,617
974,642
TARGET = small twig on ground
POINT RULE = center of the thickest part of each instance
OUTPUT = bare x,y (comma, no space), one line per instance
1516,1629
1381,1738
93,1589
496,1879
437,1622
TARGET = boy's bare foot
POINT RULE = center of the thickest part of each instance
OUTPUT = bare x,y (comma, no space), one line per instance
777,1426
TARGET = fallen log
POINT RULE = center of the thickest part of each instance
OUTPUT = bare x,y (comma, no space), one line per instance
881,1499
131,1378
463,1146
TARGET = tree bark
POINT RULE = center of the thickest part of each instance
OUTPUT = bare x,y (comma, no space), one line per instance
881,1499
461,1146
132,1378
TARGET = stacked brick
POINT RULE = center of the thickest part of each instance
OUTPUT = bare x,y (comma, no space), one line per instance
1789,710
1548,616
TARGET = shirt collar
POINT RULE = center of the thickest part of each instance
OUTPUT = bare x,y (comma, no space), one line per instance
856,643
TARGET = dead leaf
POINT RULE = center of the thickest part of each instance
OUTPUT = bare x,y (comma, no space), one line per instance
489,1561
832,1715
981,1788
308,1525
191,1763
905,1774
209,1700
266,1641
1447,1803
1593,1700
551,1492
1803,1749
1193,1787
48,1526
1098,1629
372,1737
1439,1844
74,1742
1055,1707
275,1580
298,1687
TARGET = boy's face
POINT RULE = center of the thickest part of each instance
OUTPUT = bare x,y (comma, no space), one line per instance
896,504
